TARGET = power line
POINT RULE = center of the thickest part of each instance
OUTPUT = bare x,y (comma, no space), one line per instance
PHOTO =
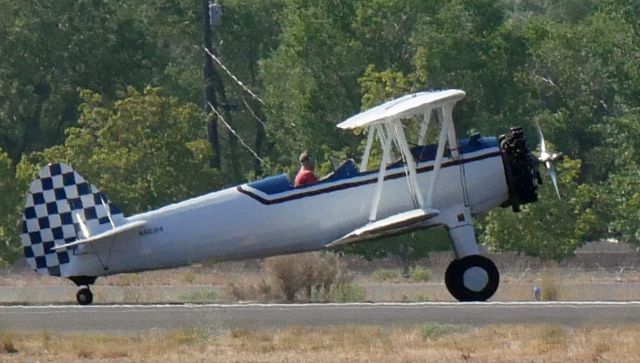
232,76
255,155
246,104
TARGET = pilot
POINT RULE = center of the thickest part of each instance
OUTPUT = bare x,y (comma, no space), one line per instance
306,174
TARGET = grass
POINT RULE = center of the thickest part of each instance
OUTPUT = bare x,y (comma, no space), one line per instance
246,281
199,296
421,343
345,293
419,274
436,330
385,274
416,274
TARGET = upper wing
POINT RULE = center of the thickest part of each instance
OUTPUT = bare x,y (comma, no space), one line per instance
101,236
404,106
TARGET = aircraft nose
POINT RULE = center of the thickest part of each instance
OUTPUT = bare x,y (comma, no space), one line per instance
520,167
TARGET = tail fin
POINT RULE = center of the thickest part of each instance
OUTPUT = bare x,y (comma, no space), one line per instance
61,208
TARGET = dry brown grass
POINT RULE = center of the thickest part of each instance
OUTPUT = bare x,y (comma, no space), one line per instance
500,343
248,281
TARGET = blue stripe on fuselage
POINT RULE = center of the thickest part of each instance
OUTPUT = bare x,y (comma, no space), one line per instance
280,183
346,184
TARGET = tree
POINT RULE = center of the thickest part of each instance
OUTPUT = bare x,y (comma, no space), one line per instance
579,74
574,66
469,45
249,33
50,49
145,150
620,192
559,10
9,211
311,80
550,228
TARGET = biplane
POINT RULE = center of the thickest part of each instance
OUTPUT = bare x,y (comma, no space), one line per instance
72,230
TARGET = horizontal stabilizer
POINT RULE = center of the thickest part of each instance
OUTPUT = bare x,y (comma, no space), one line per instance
386,226
98,237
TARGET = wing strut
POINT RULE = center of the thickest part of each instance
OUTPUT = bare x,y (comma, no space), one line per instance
410,165
386,156
386,121
367,150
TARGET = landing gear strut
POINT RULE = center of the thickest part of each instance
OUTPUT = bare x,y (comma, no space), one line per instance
472,278
84,296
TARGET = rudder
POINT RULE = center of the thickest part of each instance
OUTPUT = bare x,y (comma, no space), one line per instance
62,207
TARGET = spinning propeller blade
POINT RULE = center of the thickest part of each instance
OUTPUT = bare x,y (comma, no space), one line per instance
548,159
552,174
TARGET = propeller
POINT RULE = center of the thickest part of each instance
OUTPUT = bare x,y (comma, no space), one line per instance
548,159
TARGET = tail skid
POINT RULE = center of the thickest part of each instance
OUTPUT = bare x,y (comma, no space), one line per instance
62,208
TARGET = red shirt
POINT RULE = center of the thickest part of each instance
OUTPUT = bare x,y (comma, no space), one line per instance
304,176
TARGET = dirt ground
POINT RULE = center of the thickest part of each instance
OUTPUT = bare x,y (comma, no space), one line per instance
595,276
429,342
197,285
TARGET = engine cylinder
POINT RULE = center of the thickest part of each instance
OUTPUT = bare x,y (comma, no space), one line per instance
520,169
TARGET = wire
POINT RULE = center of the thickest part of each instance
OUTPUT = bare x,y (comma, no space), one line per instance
264,125
255,155
232,76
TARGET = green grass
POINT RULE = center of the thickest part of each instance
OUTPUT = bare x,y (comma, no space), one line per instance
419,274
199,296
385,274
347,293
436,330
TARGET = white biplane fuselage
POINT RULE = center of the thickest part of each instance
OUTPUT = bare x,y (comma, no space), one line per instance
254,220
70,229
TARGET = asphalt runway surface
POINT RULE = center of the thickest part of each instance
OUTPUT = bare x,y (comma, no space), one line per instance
131,319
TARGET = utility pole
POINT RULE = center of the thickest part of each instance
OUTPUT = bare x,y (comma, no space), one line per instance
215,94
209,94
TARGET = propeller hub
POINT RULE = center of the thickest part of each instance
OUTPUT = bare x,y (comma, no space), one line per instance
548,159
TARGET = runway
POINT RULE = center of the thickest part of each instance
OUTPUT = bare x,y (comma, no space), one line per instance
127,319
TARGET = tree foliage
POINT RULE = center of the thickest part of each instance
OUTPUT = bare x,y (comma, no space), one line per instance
115,88
145,150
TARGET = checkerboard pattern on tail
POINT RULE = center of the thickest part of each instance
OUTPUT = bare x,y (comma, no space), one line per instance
60,203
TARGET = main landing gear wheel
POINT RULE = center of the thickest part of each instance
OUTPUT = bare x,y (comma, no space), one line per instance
472,278
84,296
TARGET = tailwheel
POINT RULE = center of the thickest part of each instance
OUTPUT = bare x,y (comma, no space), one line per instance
472,278
84,296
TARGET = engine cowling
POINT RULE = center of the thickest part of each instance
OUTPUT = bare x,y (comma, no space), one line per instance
520,169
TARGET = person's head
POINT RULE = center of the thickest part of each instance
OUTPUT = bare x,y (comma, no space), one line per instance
306,161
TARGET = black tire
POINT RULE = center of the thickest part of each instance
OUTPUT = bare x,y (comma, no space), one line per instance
84,296
454,278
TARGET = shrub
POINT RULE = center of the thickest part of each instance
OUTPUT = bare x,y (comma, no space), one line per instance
7,344
419,274
250,290
550,283
385,274
347,293
309,276
287,270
